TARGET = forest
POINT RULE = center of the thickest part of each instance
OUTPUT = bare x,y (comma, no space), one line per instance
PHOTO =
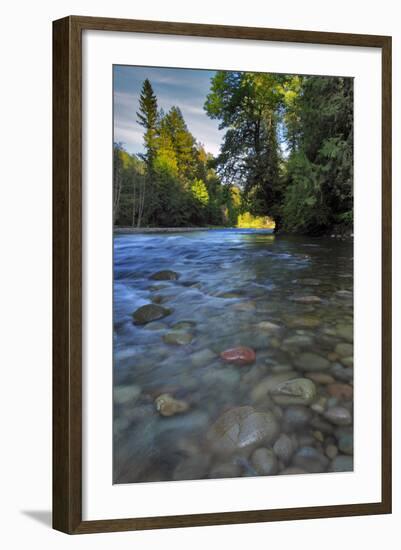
286,159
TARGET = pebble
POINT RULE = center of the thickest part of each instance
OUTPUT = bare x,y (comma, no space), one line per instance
202,357
345,438
347,361
320,377
311,460
178,338
311,362
300,391
306,299
239,356
342,463
284,448
345,294
293,470
268,326
296,417
339,416
225,470
241,429
263,389
126,394
166,405
150,312
244,306
331,451
345,331
344,350
183,325
194,467
165,275
340,391
305,321
345,374
264,461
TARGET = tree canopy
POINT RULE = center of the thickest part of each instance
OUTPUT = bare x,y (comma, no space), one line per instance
286,155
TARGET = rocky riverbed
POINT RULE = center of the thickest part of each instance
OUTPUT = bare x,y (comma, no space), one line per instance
233,355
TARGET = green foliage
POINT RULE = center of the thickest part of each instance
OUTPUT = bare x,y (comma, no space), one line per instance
286,156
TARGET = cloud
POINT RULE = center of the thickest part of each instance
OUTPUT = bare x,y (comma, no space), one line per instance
186,89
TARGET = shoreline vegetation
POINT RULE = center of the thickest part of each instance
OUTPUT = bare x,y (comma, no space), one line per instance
285,161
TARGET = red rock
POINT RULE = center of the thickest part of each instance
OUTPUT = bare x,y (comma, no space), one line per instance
239,356
340,391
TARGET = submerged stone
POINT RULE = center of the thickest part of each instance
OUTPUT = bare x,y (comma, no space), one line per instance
150,312
242,429
239,356
165,275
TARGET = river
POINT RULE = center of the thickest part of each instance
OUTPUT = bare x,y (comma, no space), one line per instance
288,299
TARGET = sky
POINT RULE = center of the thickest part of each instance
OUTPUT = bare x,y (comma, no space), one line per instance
184,88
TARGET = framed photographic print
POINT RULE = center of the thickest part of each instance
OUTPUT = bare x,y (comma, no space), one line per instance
222,273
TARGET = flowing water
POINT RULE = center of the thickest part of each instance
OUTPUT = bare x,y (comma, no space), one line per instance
287,298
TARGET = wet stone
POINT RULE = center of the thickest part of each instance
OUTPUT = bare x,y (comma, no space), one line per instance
264,461
311,362
241,429
342,463
165,275
178,338
150,312
339,416
344,349
311,460
166,405
296,417
239,356
284,448
299,391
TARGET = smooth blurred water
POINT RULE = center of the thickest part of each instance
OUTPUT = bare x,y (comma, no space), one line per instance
264,272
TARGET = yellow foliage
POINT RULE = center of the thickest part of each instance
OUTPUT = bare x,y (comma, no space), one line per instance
247,221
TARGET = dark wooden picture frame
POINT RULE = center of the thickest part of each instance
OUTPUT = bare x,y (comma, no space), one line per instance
67,274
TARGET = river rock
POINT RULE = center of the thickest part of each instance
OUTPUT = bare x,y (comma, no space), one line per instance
339,416
244,306
202,357
320,377
344,349
166,405
264,461
241,429
156,325
299,391
183,325
268,326
306,299
265,386
345,374
340,391
284,448
178,338
165,275
345,331
296,417
311,460
293,470
194,467
344,294
150,312
347,361
239,356
225,470
304,321
342,463
345,438
126,394
311,362
331,451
